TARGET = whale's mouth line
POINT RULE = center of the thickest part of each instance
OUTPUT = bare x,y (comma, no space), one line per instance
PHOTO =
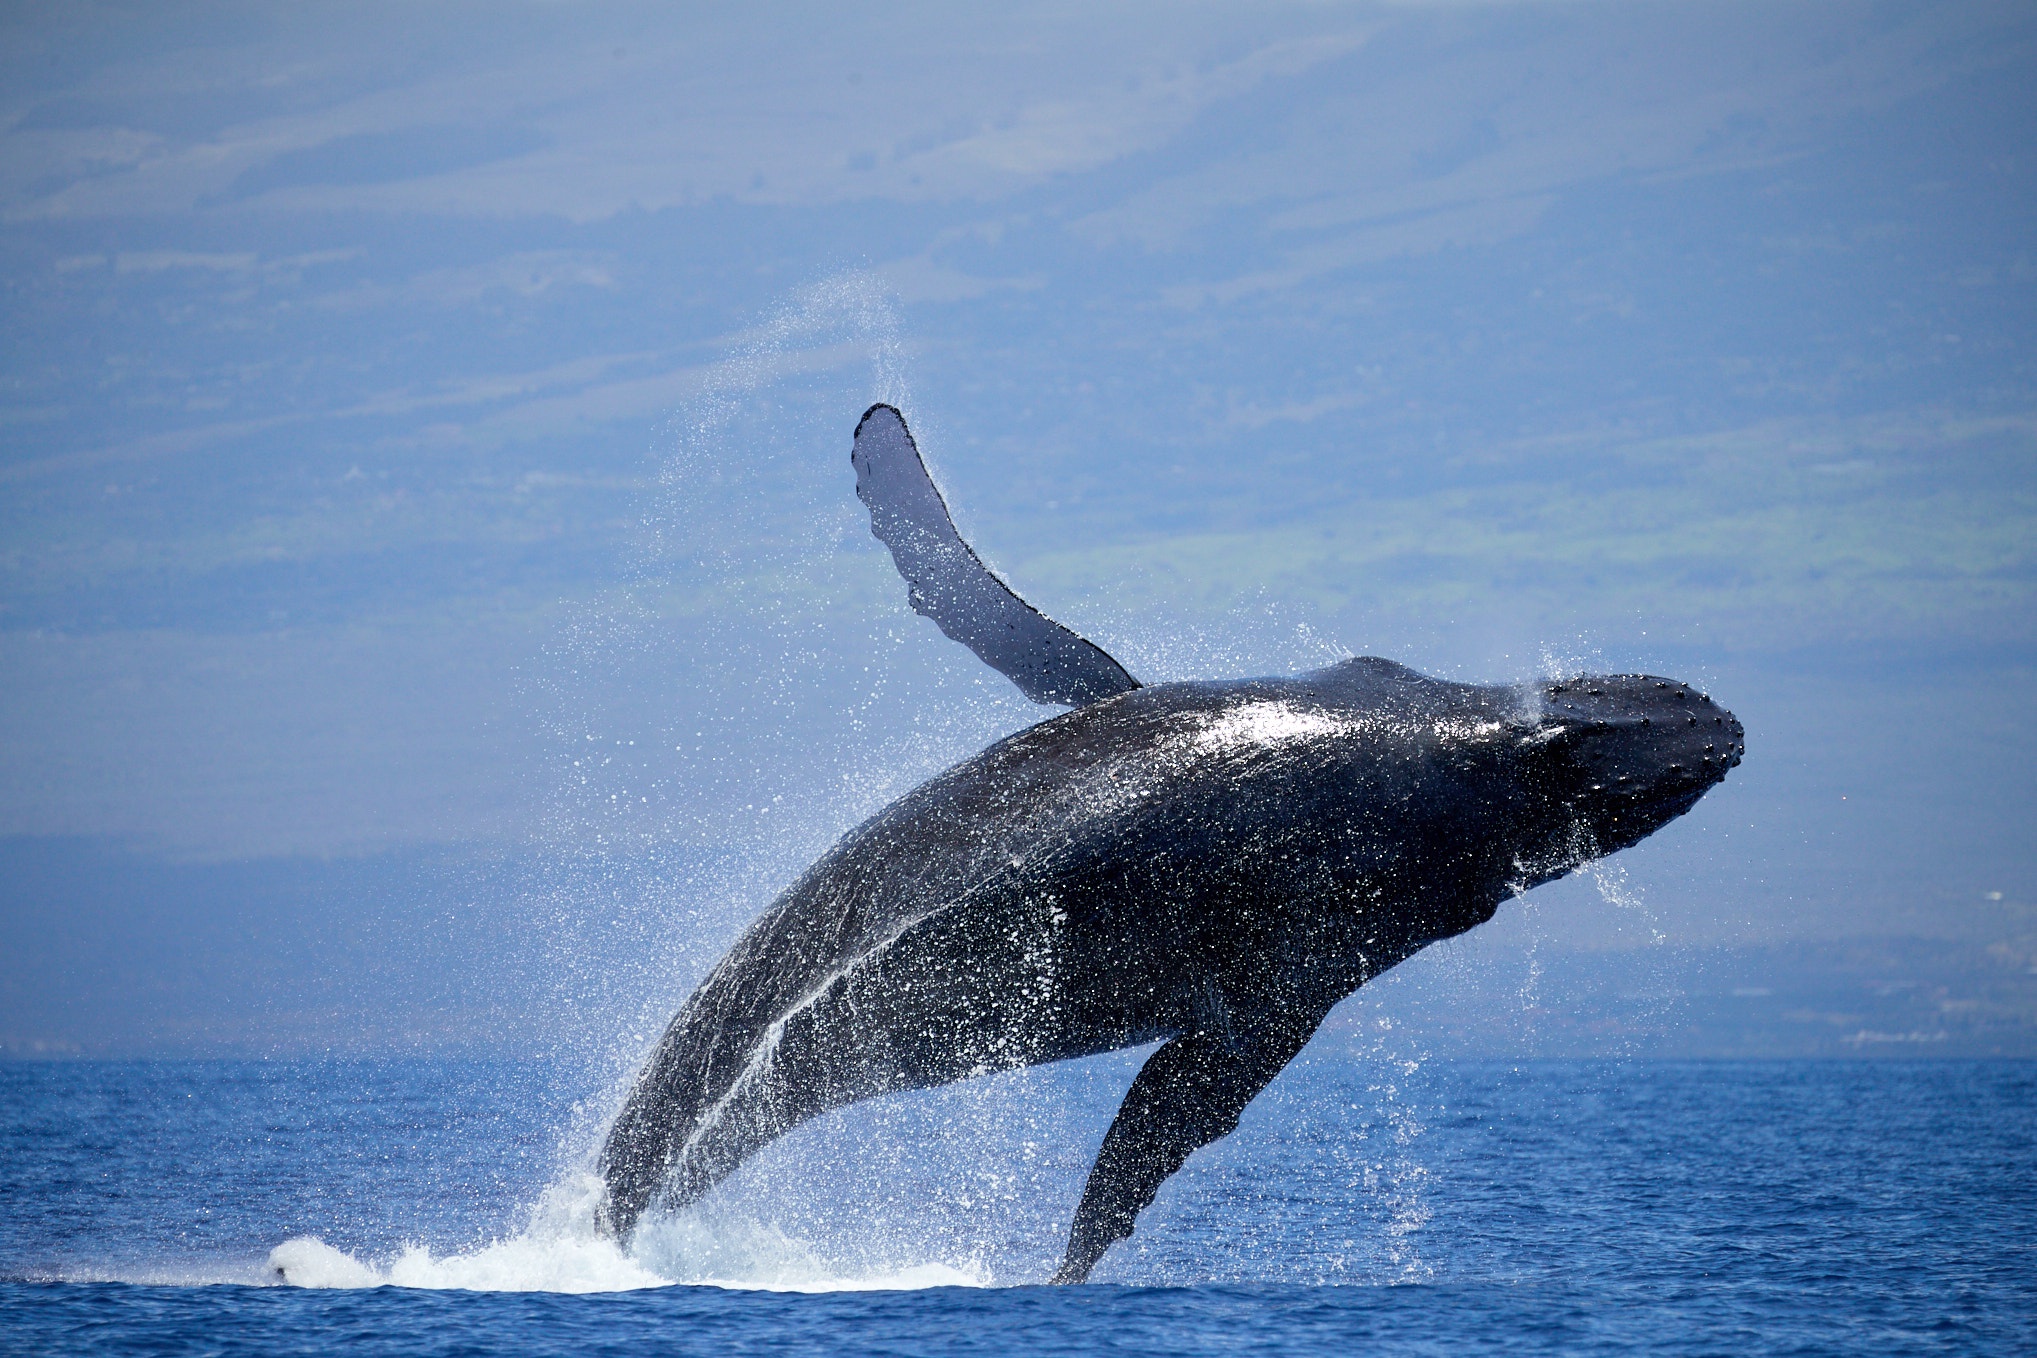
1655,804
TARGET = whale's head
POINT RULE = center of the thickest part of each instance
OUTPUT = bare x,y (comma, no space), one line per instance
1613,759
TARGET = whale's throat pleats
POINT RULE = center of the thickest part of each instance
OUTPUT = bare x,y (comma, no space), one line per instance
950,584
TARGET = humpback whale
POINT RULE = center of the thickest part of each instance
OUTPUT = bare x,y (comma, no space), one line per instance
1207,865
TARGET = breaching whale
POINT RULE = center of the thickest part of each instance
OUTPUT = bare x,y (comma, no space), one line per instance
1208,865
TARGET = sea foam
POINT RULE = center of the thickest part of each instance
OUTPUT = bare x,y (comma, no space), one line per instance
562,1250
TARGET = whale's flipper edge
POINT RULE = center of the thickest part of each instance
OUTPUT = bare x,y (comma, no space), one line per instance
950,584
1188,1094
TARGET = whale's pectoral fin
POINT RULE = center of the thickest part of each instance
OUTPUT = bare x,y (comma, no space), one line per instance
1189,1094
950,584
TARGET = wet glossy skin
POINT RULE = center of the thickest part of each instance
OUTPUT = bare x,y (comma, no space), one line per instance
1216,864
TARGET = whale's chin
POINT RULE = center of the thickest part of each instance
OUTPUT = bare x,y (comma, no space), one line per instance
1636,817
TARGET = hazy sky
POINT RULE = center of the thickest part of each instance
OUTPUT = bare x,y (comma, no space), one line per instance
405,409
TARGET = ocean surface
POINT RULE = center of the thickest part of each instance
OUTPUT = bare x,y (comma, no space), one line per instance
1368,1203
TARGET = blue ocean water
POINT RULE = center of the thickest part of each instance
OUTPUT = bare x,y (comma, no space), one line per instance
1367,1202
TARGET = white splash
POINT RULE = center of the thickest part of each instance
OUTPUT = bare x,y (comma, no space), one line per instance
1467,730
1614,887
563,1250
522,1264
308,1261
